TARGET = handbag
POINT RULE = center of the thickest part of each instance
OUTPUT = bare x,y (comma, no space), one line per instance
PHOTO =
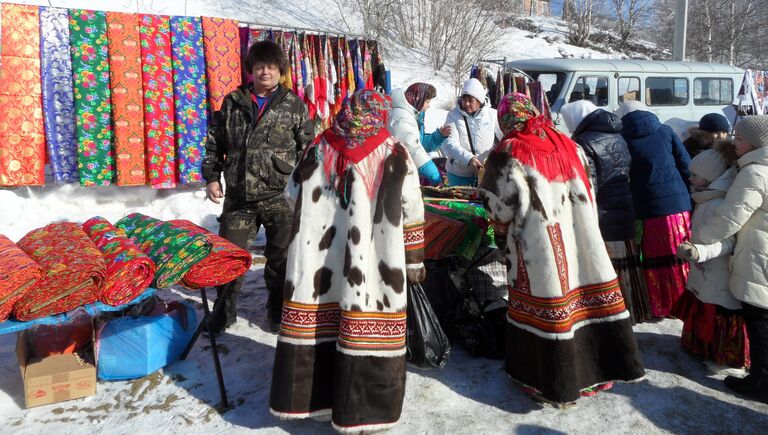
426,344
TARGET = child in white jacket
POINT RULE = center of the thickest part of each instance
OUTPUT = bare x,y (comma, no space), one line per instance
711,329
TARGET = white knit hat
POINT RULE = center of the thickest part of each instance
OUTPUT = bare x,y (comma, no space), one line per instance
574,113
474,88
708,165
754,130
629,107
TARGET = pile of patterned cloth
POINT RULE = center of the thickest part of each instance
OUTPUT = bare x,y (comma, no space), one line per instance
62,266
471,219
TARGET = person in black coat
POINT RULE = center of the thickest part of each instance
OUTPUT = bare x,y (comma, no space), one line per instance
598,133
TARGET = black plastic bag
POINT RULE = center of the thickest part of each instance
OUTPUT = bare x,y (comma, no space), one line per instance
426,344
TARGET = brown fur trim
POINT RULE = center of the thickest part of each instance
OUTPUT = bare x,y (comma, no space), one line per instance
727,150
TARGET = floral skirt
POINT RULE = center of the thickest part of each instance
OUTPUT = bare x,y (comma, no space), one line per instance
712,332
625,257
665,274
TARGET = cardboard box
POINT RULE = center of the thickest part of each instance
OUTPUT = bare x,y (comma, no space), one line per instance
54,378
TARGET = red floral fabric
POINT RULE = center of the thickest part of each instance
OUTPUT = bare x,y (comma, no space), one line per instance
129,270
18,272
225,263
222,58
73,271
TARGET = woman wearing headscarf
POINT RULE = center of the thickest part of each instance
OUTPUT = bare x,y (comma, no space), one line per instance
658,179
568,330
598,133
406,123
358,237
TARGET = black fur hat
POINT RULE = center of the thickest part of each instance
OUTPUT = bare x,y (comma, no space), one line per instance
266,52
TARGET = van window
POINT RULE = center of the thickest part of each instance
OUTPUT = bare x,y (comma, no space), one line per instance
666,91
629,89
552,82
591,88
714,91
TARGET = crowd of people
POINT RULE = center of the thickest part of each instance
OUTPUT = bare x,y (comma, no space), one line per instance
614,225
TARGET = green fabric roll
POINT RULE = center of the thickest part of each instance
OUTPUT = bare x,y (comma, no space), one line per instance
174,250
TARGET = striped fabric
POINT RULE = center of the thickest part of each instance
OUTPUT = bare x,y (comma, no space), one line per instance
309,323
367,331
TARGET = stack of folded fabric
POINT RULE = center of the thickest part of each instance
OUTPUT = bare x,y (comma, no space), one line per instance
173,250
442,235
129,271
476,228
225,263
18,273
73,271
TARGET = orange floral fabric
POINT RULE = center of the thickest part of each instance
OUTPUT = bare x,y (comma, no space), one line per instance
222,57
127,101
22,134
18,274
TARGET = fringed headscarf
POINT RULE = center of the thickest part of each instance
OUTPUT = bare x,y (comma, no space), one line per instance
418,93
359,131
530,138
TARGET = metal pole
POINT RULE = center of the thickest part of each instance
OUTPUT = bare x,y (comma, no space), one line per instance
681,28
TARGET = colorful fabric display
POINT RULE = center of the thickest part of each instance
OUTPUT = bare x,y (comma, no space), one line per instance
442,236
190,96
73,271
90,71
22,134
173,250
58,98
476,228
127,97
157,80
222,56
18,273
129,271
225,263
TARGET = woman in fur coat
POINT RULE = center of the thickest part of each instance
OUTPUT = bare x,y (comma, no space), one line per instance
568,330
358,237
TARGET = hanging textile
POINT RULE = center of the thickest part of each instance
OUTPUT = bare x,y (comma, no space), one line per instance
18,273
225,263
222,56
58,98
367,72
73,271
129,271
157,81
174,251
348,67
124,36
190,96
244,33
298,76
90,69
539,98
285,44
22,134
357,62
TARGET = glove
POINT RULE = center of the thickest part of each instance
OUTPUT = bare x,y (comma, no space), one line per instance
415,274
687,251
429,171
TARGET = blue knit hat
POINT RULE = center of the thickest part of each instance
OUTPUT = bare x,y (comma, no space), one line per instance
714,122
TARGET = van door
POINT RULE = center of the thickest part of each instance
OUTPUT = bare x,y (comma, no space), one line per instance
593,88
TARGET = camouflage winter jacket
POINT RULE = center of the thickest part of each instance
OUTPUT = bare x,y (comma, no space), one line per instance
256,155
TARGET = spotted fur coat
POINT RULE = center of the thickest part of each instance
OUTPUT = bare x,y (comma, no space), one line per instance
341,346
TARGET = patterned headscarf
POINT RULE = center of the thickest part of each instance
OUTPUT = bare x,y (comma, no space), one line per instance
418,93
363,116
516,111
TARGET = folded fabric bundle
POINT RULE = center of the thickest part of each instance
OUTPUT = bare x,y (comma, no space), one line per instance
225,263
73,271
129,271
473,209
442,235
18,272
476,228
173,250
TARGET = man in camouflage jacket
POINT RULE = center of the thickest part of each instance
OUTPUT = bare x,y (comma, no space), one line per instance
255,139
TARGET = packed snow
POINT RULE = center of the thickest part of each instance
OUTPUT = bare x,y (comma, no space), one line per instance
469,396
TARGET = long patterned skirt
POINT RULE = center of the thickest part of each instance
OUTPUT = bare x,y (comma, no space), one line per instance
625,257
665,274
712,332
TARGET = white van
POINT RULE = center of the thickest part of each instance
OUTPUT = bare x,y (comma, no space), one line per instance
679,93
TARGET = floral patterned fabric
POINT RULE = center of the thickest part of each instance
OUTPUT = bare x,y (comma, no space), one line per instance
222,56
129,271
18,273
360,124
157,80
190,96
127,97
22,135
225,263
73,271
90,69
173,250
58,98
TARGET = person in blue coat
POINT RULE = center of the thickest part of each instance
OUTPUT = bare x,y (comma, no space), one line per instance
658,179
